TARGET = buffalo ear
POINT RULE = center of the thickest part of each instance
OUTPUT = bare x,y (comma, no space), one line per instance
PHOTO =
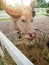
15,13
33,13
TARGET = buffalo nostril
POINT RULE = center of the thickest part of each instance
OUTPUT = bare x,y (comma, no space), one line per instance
30,35
33,35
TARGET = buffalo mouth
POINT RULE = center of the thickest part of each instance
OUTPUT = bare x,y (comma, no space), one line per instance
30,36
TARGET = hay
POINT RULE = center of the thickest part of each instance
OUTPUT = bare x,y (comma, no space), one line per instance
35,50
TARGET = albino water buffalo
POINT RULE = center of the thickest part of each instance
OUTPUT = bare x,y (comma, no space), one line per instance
23,18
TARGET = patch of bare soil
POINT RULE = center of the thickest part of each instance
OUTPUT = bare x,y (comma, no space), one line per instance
41,22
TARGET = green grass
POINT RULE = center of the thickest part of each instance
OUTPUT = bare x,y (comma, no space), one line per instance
42,11
1,62
4,18
42,14
46,15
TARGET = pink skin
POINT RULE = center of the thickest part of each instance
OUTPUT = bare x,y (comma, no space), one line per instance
23,17
25,25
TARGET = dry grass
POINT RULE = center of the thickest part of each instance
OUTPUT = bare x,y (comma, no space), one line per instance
1,61
36,50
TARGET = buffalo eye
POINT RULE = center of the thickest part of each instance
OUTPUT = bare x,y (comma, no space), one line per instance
23,20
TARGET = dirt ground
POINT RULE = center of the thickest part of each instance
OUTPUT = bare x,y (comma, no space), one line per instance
41,22
6,26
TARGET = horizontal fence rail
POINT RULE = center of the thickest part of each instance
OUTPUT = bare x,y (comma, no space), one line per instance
15,53
41,11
